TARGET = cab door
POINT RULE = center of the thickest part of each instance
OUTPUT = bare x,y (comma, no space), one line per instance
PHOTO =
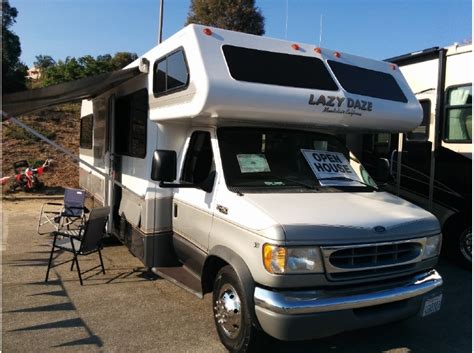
193,207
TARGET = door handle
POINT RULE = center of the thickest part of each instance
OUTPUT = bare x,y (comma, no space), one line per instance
222,209
175,210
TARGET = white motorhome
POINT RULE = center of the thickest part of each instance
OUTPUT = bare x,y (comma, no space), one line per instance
432,165
219,155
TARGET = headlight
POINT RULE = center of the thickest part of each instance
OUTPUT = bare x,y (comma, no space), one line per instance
279,259
432,246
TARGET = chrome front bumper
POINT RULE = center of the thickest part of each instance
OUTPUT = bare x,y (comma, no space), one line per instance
319,301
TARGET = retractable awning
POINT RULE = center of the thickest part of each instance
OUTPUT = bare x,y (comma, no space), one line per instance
89,87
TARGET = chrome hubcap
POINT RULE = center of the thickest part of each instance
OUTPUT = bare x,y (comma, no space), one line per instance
227,311
465,244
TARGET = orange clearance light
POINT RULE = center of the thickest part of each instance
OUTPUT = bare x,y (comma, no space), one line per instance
207,31
317,50
337,54
295,46
393,66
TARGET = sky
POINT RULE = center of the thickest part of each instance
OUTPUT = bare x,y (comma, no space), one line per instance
378,29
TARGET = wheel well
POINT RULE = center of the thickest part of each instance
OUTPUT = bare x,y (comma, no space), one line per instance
212,265
457,221
452,227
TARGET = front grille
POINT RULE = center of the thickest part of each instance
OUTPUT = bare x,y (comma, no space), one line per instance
375,256
374,272
372,260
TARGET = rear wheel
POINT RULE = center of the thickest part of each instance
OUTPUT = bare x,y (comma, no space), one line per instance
232,313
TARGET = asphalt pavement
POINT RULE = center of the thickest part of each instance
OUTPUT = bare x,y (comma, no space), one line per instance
123,311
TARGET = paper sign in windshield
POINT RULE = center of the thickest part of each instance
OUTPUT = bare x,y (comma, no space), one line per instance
253,163
331,168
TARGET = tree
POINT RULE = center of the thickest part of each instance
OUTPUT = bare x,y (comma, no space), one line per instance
43,62
84,66
13,70
236,15
122,59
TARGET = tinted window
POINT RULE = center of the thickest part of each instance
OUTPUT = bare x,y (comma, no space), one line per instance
422,131
367,82
171,73
160,77
199,157
177,75
458,123
101,111
131,124
87,124
279,69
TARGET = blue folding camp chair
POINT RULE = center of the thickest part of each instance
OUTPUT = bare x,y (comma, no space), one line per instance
70,214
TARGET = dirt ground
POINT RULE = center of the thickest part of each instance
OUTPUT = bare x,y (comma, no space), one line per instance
62,125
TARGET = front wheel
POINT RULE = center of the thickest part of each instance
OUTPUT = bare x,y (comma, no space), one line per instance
464,245
232,313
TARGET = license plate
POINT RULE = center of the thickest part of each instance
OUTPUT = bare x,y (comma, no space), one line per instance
432,305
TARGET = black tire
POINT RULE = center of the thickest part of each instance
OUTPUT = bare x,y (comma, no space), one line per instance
232,316
39,186
463,247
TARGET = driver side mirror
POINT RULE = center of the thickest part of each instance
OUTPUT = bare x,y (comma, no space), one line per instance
163,167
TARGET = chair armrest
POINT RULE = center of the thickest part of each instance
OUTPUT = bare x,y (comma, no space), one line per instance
67,209
56,209
53,204
68,235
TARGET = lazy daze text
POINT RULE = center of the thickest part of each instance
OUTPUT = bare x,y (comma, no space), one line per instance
341,105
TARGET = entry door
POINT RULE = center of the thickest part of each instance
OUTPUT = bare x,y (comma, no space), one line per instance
416,159
193,207
414,151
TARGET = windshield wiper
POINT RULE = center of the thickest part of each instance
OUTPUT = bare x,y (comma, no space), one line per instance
300,183
349,179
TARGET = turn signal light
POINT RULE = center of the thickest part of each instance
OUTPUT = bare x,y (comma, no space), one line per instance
274,258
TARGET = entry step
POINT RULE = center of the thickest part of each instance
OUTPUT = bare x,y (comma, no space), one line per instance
181,277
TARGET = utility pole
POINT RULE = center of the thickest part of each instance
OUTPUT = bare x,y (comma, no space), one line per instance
160,23
320,30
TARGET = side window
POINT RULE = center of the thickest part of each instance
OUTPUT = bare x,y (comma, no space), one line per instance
198,162
131,114
87,124
170,74
458,114
421,133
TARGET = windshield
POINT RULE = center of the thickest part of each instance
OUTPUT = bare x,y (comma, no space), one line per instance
256,159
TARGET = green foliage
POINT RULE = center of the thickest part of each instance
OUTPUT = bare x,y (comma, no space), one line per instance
43,62
13,71
70,69
236,15
18,133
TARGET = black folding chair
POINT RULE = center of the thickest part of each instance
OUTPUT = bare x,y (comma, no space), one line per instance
84,241
69,214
